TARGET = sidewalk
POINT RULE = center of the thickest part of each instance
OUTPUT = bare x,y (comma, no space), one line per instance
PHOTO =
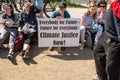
77,12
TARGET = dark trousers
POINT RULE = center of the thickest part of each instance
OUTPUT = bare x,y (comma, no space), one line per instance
107,58
28,38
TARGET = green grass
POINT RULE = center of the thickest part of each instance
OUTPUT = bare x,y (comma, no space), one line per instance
76,5
69,3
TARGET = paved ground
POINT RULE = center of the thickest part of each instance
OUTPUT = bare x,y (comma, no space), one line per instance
72,64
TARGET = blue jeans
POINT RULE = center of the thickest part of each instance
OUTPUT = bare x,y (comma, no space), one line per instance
39,3
6,33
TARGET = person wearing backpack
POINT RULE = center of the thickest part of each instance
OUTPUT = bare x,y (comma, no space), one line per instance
11,23
106,52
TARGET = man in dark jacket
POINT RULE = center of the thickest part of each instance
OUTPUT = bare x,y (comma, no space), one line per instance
106,52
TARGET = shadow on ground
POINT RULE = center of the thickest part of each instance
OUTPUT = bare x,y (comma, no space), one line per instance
75,54
4,53
34,51
68,54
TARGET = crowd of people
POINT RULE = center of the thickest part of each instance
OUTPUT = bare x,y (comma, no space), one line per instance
92,22
101,25
27,22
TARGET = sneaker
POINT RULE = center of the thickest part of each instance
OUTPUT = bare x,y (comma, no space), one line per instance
81,47
51,48
10,56
26,55
22,53
58,49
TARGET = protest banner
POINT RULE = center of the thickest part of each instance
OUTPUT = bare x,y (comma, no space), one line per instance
58,32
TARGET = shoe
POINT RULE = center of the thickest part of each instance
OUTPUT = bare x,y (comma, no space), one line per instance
58,49
51,48
22,53
10,56
26,55
81,46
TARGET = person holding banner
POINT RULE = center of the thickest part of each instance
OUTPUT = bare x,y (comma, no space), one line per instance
61,13
28,23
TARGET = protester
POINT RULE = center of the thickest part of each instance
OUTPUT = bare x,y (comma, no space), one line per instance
101,15
28,25
11,24
106,53
87,21
61,13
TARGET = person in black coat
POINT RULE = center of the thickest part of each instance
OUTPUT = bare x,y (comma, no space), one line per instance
106,52
29,26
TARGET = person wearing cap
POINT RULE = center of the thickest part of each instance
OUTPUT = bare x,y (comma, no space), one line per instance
61,13
28,24
11,24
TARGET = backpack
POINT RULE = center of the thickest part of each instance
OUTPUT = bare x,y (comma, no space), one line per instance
18,42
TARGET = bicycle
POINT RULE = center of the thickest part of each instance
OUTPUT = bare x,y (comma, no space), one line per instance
13,2
21,3
48,6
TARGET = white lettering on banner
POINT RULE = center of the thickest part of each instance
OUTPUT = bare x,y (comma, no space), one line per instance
58,32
